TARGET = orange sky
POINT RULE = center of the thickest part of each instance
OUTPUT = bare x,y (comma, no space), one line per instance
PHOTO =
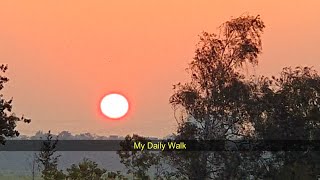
57,51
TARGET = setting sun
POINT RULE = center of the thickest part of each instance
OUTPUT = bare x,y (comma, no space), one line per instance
114,106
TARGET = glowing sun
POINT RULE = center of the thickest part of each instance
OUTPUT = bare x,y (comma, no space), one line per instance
114,106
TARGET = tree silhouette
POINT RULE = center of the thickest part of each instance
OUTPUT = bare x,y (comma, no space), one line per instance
215,102
290,105
288,108
216,95
115,176
222,103
48,161
137,162
85,170
141,163
8,120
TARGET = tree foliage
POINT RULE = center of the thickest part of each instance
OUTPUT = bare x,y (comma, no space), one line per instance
85,170
221,102
8,120
136,162
48,161
215,102
288,108
216,96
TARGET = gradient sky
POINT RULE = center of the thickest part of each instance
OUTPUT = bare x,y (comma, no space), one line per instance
63,56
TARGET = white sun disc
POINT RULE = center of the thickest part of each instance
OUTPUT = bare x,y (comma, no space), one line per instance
114,106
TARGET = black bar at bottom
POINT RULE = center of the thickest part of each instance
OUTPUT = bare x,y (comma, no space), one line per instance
157,145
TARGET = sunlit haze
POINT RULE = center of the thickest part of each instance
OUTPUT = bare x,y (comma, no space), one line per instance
63,56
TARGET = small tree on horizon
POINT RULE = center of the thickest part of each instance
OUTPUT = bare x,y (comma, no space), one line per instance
48,161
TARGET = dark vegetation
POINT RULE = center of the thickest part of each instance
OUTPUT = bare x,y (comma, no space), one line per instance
220,102
8,120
